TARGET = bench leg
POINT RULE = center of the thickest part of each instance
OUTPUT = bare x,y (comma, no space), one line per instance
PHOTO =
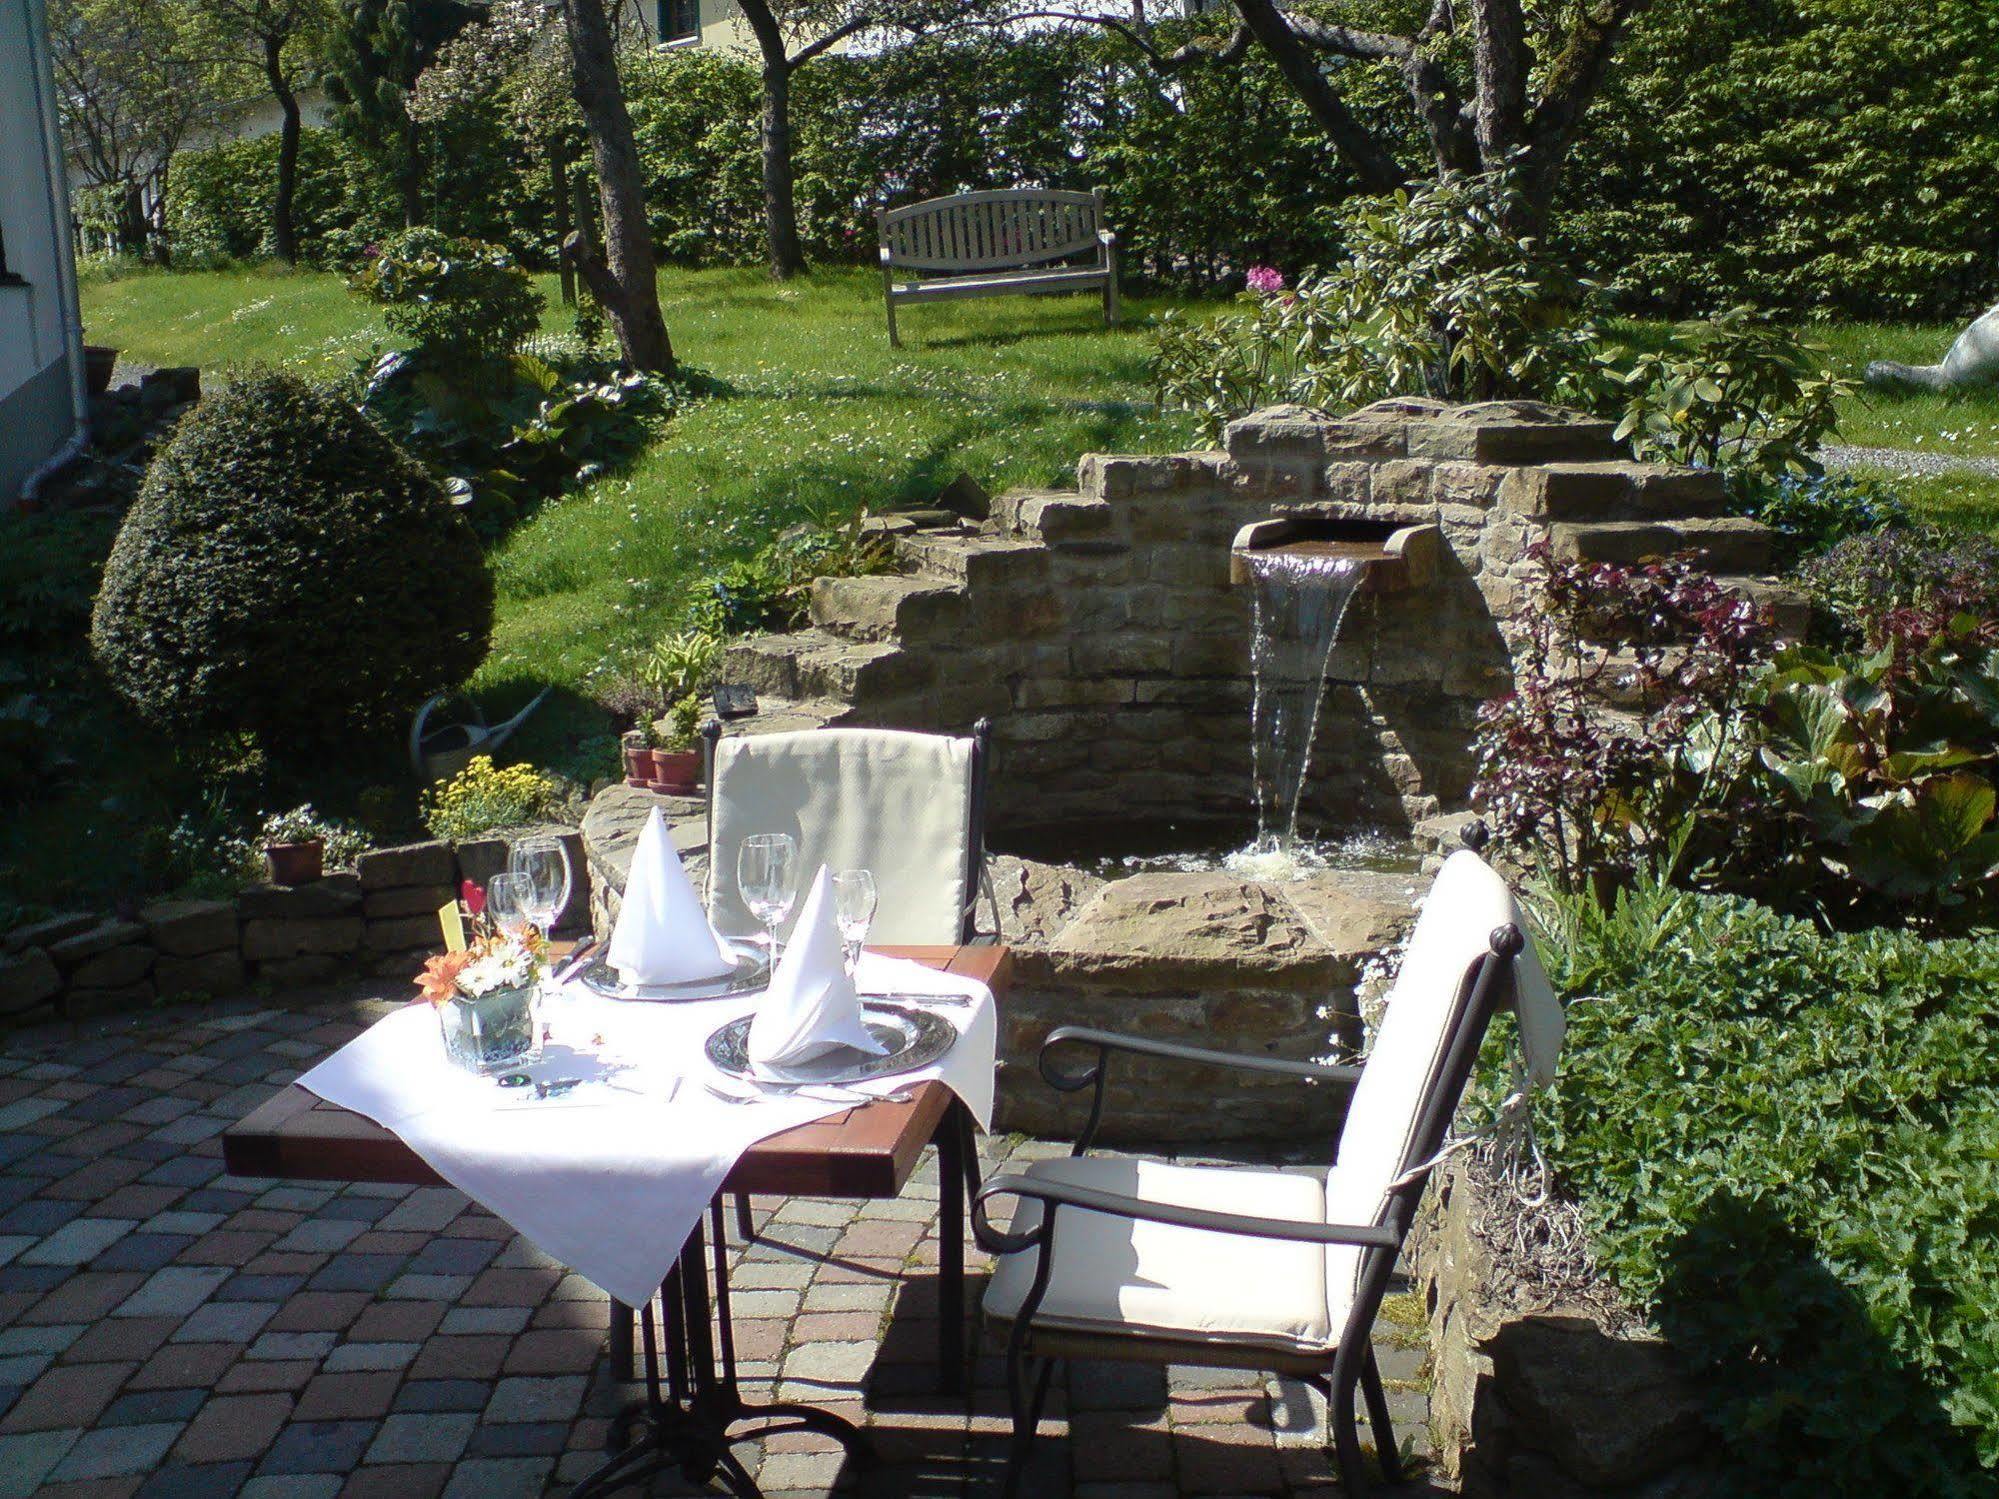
1110,300
894,340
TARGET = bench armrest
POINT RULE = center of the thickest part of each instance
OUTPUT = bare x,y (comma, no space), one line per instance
887,257
1097,1071
1053,1195
1107,236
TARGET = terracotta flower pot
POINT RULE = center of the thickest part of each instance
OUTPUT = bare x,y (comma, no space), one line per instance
296,863
638,766
676,772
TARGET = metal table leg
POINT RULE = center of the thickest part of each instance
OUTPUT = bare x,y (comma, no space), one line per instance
958,1176
684,1421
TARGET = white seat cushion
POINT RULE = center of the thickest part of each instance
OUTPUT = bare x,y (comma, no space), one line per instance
1118,1275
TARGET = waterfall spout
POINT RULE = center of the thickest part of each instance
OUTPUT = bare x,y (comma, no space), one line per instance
1300,599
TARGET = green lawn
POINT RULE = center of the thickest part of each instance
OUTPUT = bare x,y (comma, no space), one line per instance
1965,425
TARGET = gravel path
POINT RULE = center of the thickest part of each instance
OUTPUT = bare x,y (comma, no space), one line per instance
1906,461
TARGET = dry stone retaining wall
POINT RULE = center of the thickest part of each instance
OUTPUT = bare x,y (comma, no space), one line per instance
1099,630
379,917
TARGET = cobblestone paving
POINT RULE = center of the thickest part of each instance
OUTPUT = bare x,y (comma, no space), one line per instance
167,1330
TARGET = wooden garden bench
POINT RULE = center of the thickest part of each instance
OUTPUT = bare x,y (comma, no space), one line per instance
996,244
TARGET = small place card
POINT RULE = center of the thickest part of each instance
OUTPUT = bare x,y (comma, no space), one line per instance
453,923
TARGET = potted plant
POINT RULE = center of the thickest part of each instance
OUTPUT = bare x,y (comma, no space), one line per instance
676,749
638,758
298,843
484,992
99,360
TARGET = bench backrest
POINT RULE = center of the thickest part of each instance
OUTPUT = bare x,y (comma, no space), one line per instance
990,230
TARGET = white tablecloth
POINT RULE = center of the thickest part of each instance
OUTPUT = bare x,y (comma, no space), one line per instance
609,1181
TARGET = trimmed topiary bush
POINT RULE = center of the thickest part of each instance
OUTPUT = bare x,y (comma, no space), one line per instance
289,572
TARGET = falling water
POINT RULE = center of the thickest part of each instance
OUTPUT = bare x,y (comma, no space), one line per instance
1300,599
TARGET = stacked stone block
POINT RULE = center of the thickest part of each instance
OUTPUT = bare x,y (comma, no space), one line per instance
379,917
1100,632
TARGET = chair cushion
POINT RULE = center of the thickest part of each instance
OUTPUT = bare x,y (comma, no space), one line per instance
1465,904
1121,1276
895,803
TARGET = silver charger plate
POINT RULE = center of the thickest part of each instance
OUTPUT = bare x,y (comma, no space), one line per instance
749,973
914,1038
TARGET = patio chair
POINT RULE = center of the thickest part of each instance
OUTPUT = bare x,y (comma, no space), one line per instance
1240,1268
909,807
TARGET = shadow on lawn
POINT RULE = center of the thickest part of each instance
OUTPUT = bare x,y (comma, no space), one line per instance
1802,1391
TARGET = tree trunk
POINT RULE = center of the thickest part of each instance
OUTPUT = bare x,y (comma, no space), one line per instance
410,169
284,237
132,219
626,281
787,258
558,182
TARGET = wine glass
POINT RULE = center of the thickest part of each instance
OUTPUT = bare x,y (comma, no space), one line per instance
507,904
767,876
543,863
854,910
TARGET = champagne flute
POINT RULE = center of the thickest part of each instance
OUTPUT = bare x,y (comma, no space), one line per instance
544,864
767,876
854,910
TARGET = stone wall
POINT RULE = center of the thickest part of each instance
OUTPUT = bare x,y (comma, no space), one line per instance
1548,1402
1099,630
378,918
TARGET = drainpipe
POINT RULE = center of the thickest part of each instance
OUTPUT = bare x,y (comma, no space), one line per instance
69,308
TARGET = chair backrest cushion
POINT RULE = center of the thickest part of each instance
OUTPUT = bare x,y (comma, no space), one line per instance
990,230
898,804
1467,902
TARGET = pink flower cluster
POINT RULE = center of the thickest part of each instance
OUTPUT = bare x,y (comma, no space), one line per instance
1266,279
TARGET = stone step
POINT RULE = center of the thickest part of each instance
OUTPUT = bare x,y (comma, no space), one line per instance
972,560
816,664
1613,492
1727,544
908,608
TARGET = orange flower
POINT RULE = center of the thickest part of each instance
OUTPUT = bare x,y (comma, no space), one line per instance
439,979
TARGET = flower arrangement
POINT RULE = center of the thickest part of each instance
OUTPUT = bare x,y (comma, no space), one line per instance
491,960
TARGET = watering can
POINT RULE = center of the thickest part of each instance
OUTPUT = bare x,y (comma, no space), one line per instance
440,752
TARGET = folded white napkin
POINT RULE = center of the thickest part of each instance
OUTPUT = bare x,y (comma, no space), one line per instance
812,1006
662,935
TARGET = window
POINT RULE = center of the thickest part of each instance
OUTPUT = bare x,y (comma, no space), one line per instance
679,20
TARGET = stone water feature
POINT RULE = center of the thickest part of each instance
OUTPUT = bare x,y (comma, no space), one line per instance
1107,634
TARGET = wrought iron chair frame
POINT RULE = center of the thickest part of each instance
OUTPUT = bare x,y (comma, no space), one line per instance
1338,1372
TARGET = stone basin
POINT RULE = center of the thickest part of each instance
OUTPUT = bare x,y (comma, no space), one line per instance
1205,957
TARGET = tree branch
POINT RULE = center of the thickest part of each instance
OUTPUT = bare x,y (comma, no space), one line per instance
1573,80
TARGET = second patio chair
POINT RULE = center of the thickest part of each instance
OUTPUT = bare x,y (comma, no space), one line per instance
1264,1270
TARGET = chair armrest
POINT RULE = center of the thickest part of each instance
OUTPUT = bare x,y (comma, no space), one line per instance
1053,1195
1173,1051
1106,1042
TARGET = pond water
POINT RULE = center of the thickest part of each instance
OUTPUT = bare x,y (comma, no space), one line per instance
1112,850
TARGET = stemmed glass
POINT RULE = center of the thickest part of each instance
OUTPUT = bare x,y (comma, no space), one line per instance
854,910
767,875
507,904
543,864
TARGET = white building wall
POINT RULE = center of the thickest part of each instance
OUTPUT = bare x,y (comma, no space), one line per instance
37,295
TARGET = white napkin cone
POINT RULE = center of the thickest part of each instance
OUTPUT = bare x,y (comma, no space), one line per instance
662,935
812,1006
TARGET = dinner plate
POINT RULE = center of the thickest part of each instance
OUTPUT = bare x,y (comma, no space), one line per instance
749,972
914,1038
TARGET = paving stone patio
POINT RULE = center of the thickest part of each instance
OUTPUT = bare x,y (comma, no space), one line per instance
168,1330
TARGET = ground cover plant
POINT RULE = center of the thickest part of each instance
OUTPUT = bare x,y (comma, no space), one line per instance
1783,1142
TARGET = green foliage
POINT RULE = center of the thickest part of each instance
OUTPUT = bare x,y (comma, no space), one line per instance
680,665
1813,513
505,434
1886,763
1437,296
456,300
1858,585
484,797
220,208
1785,1145
1821,155
770,590
289,572
1739,391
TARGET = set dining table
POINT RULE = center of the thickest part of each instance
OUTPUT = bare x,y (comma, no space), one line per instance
692,1406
